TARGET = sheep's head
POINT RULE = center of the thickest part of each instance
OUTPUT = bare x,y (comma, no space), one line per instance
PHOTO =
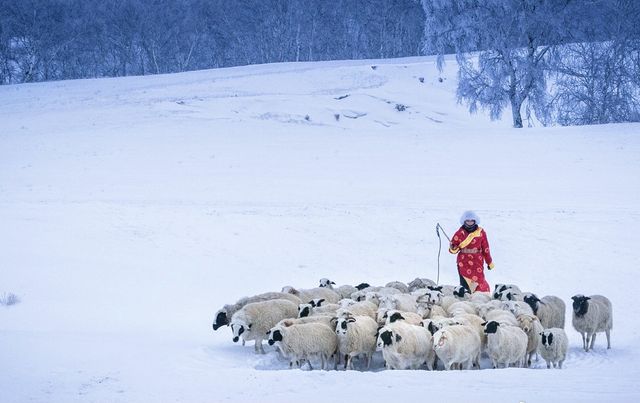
387,338
395,316
325,282
221,319
238,329
275,335
342,324
546,338
580,304
362,286
460,292
304,310
491,327
526,322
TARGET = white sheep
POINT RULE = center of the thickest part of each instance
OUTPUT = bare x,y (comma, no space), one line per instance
479,297
392,315
310,309
405,346
427,310
419,283
254,320
402,302
500,288
591,315
300,342
550,310
530,324
484,309
517,307
461,307
223,315
362,308
356,336
307,295
399,285
505,344
458,346
553,346
504,317
344,290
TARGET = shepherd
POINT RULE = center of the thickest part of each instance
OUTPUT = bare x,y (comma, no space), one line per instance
472,247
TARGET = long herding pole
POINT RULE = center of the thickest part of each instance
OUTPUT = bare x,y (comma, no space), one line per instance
438,229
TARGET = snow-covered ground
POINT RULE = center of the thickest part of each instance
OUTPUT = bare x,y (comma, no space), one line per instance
134,208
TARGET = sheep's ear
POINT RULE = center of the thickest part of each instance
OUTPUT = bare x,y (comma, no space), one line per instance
483,324
320,301
333,282
351,320
249,326
398,338
587,298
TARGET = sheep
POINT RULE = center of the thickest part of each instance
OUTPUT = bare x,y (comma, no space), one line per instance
530,324
362,308
402,302
458,345
427,310
500,288
299,342
309,309
356,335
484,309
344,290
461,307
444,289
591,315
419,283
474,321
405,346
550,310
517,307
324,319
505,344
503,317
392,315
223,315
254,320
553,346
307,295
432,297
479,297
399,285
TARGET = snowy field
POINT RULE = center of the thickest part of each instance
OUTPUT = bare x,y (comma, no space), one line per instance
132,209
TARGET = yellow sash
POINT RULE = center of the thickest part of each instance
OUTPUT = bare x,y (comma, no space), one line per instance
470,238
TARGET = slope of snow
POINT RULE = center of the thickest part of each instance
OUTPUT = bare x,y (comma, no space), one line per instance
134,208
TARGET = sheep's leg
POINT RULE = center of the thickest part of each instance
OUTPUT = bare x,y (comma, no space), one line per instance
560,364
587,339
346,361
584,340
548,364
608,333
367,357
593,340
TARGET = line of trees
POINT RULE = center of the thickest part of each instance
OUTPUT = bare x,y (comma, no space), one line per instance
44,40
550,61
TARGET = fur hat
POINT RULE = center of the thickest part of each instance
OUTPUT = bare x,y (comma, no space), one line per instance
469,215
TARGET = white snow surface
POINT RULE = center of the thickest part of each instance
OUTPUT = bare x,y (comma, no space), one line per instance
133,208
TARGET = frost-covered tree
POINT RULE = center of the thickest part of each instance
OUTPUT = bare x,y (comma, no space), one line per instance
512,39
599,81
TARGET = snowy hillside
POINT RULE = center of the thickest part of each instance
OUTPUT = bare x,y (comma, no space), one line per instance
134,208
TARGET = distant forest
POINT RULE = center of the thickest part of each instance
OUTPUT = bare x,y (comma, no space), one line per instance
562,61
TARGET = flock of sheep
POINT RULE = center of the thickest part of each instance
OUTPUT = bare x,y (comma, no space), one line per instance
414,325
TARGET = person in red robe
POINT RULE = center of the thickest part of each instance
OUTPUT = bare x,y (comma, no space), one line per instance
472,247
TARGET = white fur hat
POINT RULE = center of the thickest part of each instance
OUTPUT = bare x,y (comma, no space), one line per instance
469,215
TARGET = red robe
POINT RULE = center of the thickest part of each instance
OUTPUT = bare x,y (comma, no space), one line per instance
473,252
